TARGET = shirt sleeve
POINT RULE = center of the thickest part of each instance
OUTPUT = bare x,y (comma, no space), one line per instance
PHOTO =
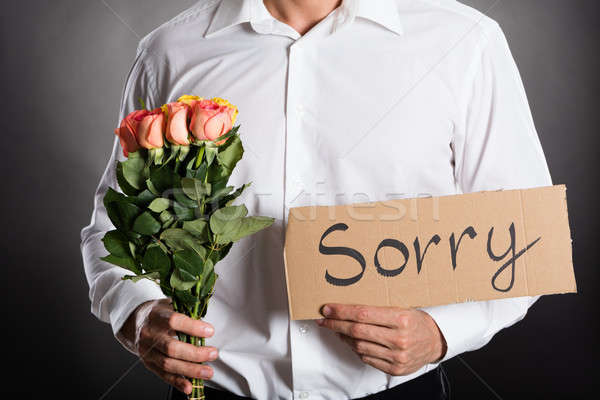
112,299
496,146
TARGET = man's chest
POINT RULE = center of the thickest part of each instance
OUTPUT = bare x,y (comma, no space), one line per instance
336,124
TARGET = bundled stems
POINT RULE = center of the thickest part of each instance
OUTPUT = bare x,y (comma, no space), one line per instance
197,383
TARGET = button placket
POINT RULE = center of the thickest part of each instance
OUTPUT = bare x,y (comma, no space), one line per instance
303,329
294,162
299,164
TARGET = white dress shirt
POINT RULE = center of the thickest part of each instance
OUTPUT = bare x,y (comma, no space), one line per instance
381,99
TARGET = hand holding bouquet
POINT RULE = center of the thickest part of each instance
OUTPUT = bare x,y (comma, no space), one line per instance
175,219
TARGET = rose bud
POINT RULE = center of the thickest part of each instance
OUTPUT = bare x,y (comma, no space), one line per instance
127,132
150,129
177,123
210,120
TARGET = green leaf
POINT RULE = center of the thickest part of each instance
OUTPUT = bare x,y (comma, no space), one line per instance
217,173
123,184
227,200
230,153
198,173
179,239
183,200
128,213
144,198
209,268
132,170
208,286
218,185
227,218
183,213
194,188
156,260
178,283
112,195
198,228
166,218
132,249
246,227
219,193
136,238
120,210
123,262
146,224
211,151
159,204
136,278
152,189
166,288
218,255
186,298
163,179
117,243
190,262
233,131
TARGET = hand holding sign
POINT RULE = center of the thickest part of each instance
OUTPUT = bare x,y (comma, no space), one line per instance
394,340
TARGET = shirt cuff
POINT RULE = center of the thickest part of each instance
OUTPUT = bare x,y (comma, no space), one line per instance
463,325
126,296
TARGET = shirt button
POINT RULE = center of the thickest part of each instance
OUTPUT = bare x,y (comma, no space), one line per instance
304,395
303,330
300,109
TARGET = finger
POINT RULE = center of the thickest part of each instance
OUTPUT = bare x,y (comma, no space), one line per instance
174,348
383,365
179,367
372,333
366,348
182,323
178,382
383,316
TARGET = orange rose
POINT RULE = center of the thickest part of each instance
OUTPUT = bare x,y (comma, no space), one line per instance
210,120
150,129
177,123
127,132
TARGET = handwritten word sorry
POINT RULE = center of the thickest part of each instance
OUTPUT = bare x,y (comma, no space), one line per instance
509,257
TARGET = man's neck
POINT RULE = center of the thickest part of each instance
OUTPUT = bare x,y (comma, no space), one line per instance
301,15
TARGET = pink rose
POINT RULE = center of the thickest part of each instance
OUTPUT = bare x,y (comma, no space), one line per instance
127,132
150,129
210,120
177,123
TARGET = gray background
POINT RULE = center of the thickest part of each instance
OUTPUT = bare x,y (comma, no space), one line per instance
64,63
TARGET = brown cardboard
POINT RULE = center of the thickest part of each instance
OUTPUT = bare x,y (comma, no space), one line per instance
541,227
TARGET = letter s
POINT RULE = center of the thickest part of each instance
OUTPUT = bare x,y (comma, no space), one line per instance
345,251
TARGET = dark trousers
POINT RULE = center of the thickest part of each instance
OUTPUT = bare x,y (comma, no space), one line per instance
433,385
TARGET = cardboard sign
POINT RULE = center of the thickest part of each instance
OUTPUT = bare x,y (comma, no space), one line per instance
429,251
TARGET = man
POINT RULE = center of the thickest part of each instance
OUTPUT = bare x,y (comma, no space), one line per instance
360,100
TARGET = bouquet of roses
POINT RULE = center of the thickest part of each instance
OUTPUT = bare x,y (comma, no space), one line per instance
175,219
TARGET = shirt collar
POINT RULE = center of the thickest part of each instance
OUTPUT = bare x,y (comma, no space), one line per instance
234,12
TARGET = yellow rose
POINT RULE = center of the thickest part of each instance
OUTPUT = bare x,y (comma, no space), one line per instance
189,99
